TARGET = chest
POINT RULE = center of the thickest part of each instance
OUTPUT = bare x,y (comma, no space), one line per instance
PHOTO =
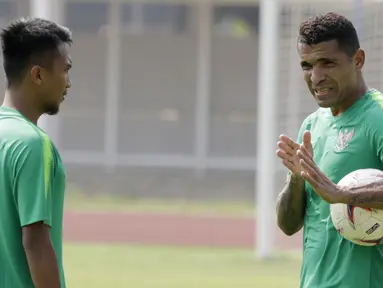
339,150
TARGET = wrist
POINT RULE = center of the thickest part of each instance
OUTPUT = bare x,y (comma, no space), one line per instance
343,195
296,178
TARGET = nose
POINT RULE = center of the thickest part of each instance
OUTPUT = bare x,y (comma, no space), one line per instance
69,84
317,75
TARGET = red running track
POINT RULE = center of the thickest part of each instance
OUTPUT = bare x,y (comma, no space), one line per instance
167,229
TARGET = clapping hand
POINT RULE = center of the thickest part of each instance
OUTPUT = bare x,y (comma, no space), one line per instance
288,152
321,184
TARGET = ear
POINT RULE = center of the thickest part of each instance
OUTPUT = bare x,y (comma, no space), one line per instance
359,58
35,74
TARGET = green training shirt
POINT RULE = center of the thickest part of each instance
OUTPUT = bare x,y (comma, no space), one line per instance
32,185
341,144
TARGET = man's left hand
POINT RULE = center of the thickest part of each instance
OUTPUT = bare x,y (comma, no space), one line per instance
322,185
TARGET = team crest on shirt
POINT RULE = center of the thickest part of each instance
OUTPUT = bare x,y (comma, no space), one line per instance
344,138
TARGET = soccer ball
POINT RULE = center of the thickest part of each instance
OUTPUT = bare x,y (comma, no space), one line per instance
361,226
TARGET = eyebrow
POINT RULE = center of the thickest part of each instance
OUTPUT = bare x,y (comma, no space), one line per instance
320,60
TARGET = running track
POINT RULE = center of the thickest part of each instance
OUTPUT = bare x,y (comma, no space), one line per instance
166,229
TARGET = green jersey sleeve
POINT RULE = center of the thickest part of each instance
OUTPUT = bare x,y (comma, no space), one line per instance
32,166
375,135
373,126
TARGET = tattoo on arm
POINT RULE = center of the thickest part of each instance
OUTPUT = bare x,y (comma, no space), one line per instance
366,194
368,198
291,204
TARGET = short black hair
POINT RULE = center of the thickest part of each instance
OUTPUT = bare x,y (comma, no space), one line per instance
27,41
327,27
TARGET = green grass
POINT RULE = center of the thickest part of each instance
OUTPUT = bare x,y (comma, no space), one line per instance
157,267
79,202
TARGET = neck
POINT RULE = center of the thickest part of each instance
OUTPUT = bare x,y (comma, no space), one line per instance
351,99
18,99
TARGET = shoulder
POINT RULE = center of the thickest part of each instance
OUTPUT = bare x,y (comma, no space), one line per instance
20,138
373,112
17,128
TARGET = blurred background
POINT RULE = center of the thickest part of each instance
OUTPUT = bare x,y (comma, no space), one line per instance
159,135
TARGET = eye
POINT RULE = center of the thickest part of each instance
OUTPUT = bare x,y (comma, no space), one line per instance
306,67
68,67
329,64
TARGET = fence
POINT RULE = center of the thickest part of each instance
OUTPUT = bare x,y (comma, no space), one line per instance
164,95
166,91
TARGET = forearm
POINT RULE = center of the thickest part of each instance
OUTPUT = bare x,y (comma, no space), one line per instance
364,195
43,266
291,205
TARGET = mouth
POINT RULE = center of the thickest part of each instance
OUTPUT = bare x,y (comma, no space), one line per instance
64,96
322,92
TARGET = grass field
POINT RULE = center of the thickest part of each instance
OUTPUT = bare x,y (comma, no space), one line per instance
157,267
100,266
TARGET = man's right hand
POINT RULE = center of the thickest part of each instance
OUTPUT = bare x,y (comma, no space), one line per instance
287,152
291,201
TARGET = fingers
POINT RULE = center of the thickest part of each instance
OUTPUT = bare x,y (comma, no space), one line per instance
287,160
307,141
308,169
290,142
287,152
285,156
311,173
307,136
289,165
286,148
309,179
306,160
305,153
